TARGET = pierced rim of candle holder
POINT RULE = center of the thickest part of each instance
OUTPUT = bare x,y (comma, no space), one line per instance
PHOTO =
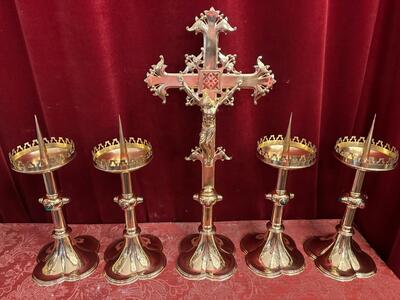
26,158
106,156
381,157
302,153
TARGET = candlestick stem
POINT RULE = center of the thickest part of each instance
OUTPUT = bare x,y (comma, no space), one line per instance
276,219
56,210
358,181
207,222
281,182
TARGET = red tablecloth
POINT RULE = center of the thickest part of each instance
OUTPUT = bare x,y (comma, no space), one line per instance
21,242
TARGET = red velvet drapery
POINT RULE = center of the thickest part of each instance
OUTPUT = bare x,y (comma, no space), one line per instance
78,64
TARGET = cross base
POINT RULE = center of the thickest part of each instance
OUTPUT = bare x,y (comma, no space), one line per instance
206,255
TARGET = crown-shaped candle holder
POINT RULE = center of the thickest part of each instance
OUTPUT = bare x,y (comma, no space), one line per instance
338,256
136,256
65,259
274,253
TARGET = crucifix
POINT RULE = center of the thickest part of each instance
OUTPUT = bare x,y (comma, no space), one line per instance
209,80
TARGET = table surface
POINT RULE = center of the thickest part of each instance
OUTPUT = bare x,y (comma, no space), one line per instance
21,242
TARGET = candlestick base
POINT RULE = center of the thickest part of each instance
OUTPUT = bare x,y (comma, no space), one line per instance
66,259
339,256
272,254
135,257
206,255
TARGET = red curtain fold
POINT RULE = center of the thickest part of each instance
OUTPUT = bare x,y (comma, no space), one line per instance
78,64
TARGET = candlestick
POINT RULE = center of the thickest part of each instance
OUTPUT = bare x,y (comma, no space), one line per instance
274,253
65,259
339,256
136,256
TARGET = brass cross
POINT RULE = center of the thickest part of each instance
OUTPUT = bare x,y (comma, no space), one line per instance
209,80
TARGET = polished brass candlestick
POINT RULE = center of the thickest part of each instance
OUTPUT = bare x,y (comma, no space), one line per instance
274,253
339,256
136,256
65,259
209,80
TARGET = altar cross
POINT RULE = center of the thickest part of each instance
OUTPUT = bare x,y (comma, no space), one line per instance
209,80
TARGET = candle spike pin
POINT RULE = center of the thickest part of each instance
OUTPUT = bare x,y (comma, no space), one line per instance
42,147
367,144
286,142
122,144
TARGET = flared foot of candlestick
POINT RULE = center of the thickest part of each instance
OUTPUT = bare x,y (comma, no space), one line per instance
206,255
135,257
272,254
339,257
66,259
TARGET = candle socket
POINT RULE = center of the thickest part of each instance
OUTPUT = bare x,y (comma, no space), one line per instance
273,253
66,258
338,256
136,256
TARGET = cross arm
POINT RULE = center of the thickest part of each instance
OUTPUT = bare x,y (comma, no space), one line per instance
261,81
159,81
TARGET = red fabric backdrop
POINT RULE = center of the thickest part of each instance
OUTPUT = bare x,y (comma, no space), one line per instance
78,64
